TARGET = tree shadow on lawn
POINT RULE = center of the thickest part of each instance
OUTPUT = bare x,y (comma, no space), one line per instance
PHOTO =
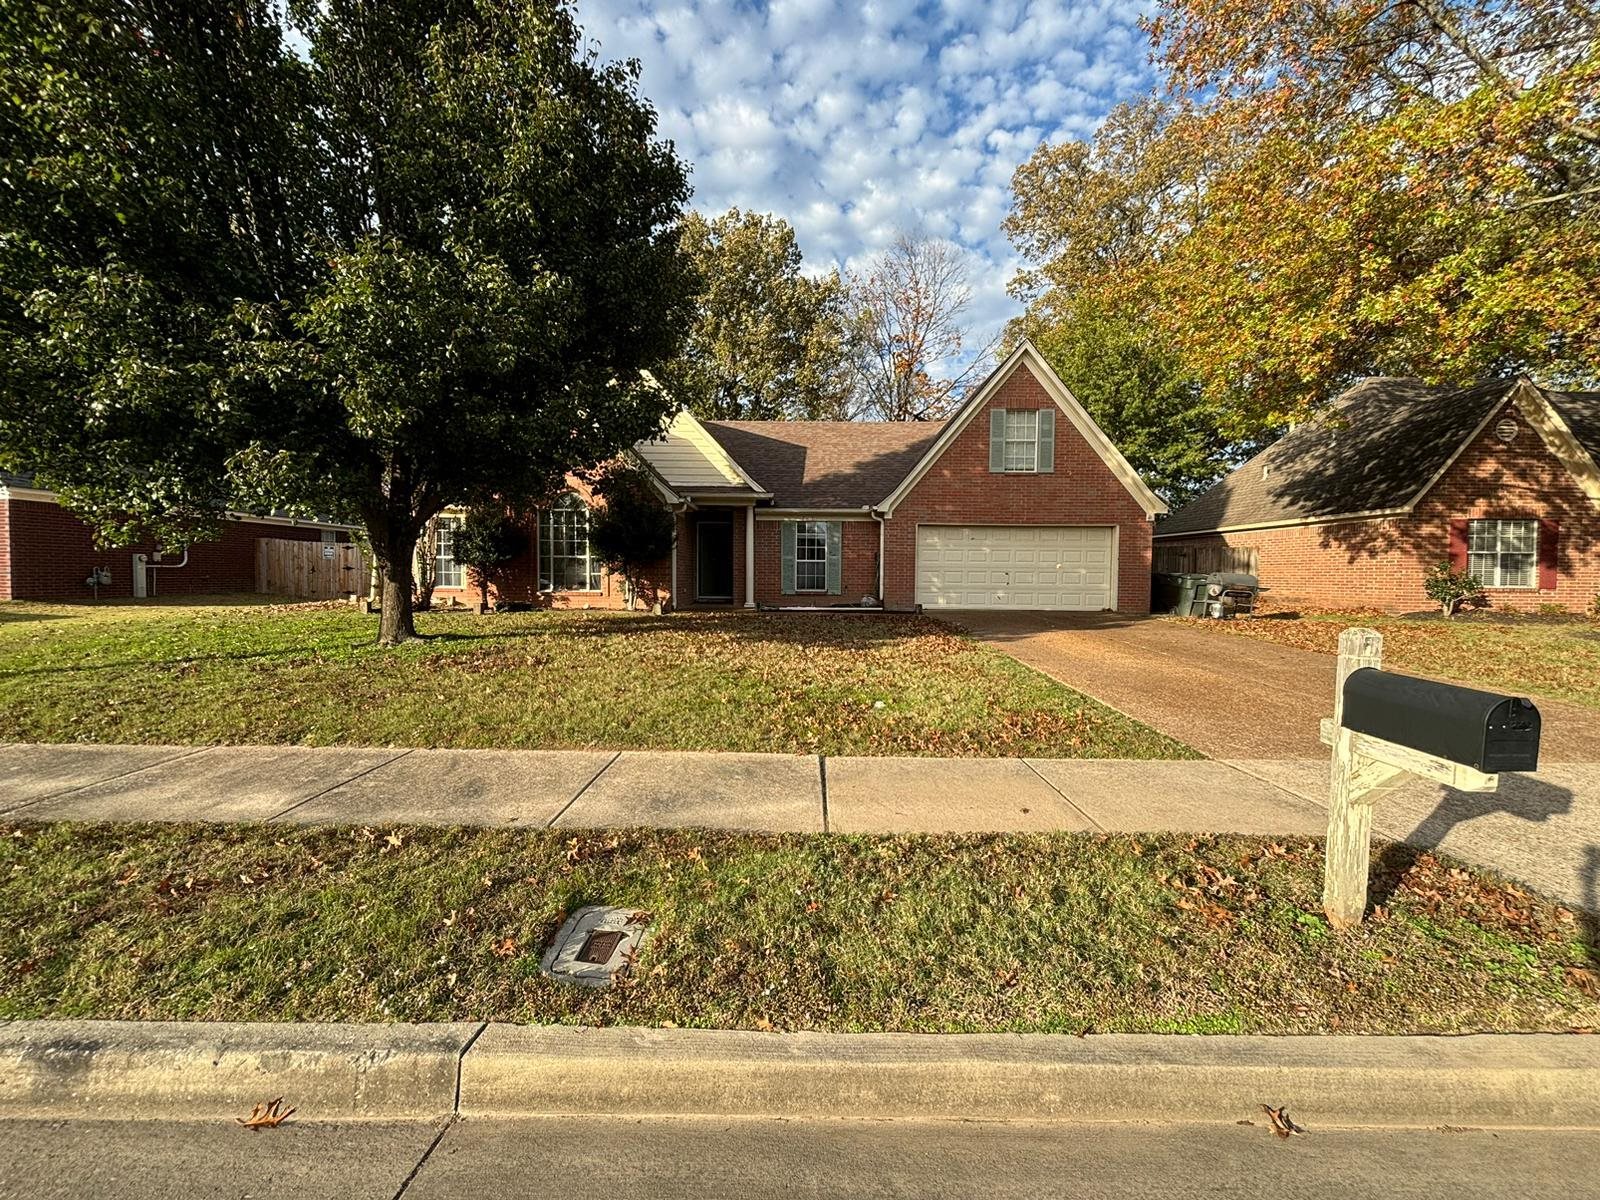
1532,800
802,630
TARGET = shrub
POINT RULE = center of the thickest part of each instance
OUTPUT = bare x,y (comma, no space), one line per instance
633,529
1451,588
485,542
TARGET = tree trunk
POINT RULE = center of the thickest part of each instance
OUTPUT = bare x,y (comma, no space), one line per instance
396,622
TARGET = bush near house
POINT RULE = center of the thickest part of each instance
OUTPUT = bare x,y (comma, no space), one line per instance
1449,588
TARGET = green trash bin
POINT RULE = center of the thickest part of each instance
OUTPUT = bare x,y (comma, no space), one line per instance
1179,592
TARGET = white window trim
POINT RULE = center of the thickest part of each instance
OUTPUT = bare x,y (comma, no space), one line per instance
1031,443
442,523
1495,579
591,569
817,531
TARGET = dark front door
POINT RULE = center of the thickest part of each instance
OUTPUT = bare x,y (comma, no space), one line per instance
714,558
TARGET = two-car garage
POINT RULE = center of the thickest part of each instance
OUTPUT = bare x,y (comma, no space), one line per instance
1044,567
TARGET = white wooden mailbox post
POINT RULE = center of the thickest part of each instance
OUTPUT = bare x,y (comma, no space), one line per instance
1364,769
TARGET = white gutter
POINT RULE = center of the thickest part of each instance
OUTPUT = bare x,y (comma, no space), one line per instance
882,525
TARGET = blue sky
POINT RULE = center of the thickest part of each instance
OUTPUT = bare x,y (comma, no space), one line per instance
854,120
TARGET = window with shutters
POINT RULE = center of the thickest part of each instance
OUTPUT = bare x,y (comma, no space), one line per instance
811,556
1022,441
1503,554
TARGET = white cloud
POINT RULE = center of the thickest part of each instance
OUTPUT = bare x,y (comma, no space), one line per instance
854,119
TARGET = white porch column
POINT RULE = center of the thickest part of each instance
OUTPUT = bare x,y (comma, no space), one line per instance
677,523
750,557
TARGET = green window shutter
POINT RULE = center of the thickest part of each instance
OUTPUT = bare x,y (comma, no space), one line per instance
997,440
835,558
1047,440
788,557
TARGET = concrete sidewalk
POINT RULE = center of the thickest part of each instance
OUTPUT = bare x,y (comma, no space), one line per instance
560,788
1543,829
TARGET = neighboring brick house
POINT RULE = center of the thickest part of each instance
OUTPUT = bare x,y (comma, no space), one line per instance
48,554
1352,508
1018,501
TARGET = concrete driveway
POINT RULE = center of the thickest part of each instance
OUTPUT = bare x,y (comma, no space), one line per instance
1228,697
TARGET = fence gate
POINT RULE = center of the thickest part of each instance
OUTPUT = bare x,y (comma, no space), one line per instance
308,570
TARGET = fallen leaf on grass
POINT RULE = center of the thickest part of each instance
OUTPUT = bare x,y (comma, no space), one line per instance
1586,980
505,947
1281,1124
266,1116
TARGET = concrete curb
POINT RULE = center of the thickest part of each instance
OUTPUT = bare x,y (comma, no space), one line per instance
200,1069
1536,1081
334,1072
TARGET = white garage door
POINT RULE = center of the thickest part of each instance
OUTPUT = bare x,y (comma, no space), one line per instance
1015,566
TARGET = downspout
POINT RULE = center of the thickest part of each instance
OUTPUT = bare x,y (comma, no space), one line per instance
879,518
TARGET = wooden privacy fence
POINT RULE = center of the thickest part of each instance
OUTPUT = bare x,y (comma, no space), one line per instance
1203,560
308,570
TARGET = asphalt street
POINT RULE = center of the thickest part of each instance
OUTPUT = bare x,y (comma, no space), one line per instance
753,1159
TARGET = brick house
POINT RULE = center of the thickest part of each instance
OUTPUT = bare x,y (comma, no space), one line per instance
1017,501
48,554
1352,508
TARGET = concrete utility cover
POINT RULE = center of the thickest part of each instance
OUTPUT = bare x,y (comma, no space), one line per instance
595,945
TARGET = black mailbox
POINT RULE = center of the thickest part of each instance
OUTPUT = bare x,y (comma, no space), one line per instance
1488,732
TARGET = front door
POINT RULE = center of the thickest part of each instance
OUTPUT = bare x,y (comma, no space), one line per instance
714,560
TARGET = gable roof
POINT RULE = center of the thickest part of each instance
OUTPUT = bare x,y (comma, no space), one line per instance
1027,357
1376,451
688,461
826,464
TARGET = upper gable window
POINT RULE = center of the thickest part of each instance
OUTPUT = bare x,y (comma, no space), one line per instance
1022,441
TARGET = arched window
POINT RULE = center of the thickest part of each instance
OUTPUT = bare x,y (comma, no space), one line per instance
565,564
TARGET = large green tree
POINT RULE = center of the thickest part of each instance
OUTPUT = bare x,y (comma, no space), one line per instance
465,230
1325,190
767,341
146,196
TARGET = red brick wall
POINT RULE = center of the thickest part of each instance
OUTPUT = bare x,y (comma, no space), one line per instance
1381,563
519,582
51,553
5,550
960,490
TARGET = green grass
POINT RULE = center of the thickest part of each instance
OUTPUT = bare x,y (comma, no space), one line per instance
1556,656
1062,932
218,674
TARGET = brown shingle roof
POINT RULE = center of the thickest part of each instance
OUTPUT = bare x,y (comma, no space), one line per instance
826,464
1581,412
1373,449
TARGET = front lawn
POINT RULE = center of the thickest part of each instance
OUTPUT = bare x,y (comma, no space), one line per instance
1062,932
311,675
1557,656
